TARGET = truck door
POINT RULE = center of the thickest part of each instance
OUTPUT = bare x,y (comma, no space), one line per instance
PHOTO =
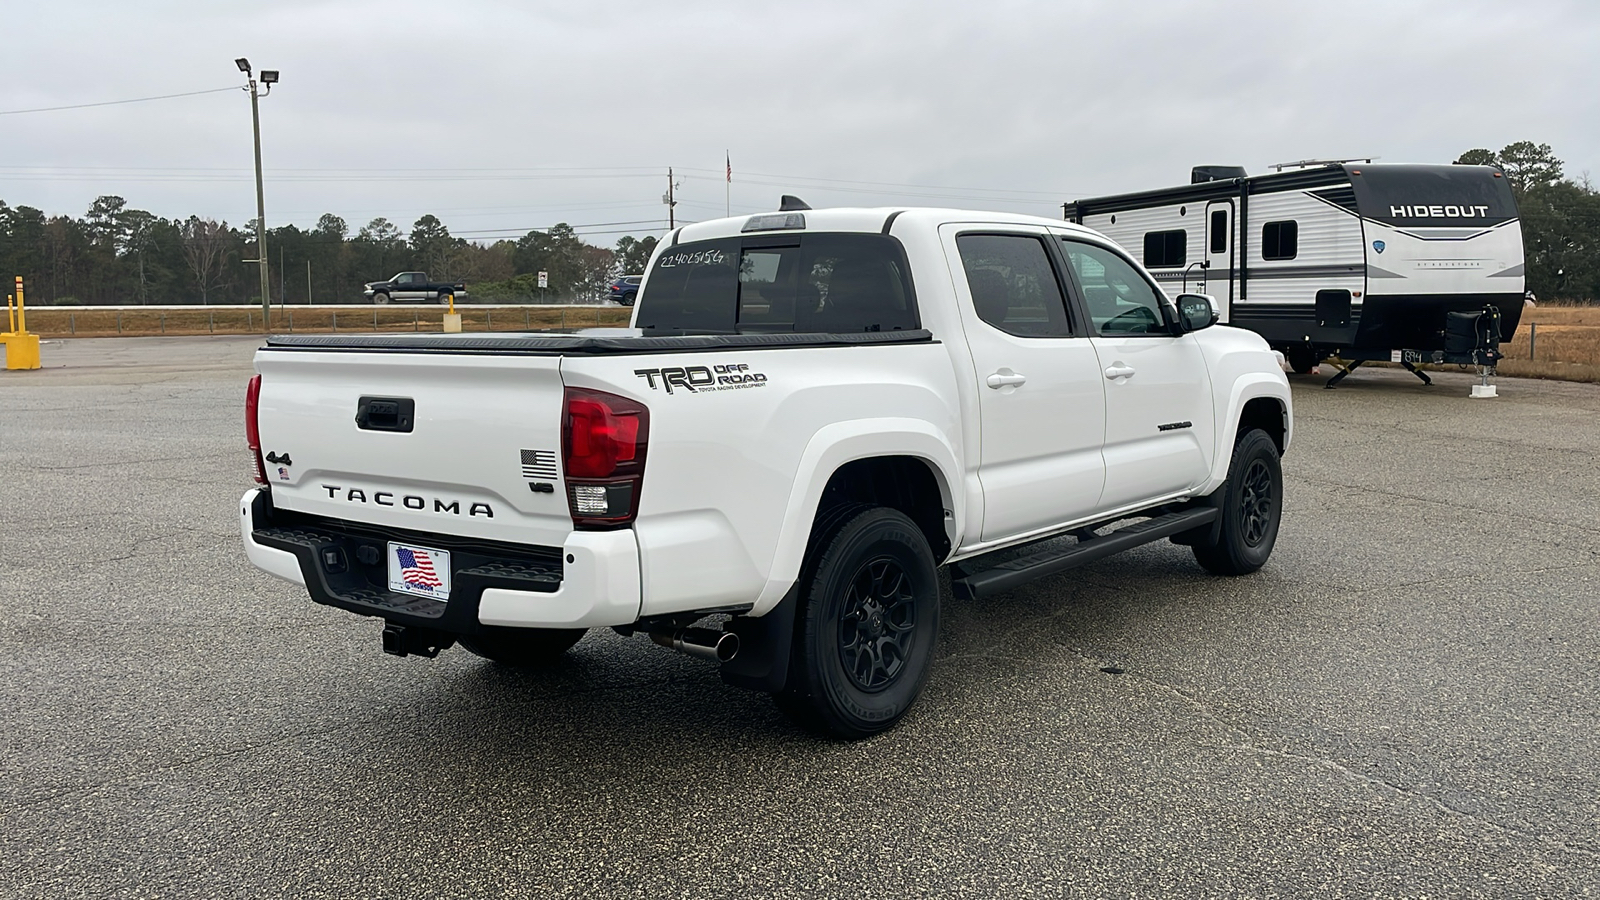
1159,419
1041,403
1220,275
408,287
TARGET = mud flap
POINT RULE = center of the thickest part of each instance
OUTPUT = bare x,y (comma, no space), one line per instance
765,646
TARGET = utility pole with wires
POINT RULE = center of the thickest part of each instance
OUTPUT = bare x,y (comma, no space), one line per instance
269,77
670,198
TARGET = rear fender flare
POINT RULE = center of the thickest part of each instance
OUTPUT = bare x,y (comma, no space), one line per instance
832,447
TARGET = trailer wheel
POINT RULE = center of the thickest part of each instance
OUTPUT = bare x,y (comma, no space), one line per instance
523,648
1252,504
867,626
1301,359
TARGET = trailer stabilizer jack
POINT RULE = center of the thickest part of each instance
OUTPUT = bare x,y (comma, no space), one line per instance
1343,373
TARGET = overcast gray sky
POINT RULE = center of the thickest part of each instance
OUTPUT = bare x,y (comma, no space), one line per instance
501,117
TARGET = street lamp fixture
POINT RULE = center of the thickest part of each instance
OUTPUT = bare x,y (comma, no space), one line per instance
269,77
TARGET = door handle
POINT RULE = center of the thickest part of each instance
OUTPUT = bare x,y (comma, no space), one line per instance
1118,370
1005,378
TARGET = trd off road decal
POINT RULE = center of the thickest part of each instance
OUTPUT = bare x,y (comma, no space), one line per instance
699,379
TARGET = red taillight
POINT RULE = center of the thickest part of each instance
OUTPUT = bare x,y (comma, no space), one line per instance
252,429
603,441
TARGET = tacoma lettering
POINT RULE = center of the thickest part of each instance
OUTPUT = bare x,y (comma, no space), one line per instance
409,501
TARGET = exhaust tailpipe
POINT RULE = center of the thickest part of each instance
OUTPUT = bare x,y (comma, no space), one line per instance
717,646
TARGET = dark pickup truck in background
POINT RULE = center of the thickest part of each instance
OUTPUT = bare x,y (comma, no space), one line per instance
414,287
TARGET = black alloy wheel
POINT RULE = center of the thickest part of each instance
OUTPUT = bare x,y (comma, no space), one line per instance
1251,506
1257,503
877,628
867,624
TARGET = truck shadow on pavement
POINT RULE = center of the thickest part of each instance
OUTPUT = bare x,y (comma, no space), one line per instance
622,703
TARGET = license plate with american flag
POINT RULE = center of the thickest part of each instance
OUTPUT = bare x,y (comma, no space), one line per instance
419,570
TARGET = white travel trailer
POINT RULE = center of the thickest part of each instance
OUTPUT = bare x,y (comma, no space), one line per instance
1408,263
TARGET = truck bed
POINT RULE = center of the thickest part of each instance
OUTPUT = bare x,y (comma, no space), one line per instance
607,343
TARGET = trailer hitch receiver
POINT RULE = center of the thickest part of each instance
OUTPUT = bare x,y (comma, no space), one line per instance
409,640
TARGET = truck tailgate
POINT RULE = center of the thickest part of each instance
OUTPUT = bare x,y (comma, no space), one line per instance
470,445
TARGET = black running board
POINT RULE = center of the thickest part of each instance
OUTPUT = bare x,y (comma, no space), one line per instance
1019,571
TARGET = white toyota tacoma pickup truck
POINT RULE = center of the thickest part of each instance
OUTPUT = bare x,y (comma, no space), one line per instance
812,412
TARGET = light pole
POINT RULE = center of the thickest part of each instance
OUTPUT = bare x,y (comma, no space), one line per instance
269,77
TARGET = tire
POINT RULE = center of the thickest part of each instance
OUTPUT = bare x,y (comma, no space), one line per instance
1251,506
523,648
868,622
1301,359
446,298
380,297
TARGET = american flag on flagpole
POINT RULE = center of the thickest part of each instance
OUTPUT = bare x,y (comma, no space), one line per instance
416,569
730,170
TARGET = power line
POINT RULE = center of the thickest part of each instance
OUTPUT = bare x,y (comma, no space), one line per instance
594,225
822,182
351,175
17,112
310,173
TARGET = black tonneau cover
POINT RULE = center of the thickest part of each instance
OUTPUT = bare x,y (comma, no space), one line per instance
579,344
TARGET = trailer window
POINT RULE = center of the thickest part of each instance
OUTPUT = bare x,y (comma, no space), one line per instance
1219,231
1165,249
1013,285
1280,240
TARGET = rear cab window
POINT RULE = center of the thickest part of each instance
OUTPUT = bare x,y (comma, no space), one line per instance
1013,285
789,283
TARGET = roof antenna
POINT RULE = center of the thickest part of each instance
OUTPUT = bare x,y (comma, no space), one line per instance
790,203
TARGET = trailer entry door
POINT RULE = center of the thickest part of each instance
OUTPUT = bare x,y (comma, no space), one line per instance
1219,276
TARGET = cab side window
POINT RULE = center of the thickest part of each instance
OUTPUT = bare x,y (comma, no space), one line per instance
1120,300
1013,285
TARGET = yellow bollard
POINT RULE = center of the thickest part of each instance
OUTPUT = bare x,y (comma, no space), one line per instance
22,348
452,319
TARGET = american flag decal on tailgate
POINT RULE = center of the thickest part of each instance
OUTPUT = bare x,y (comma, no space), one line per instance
538,464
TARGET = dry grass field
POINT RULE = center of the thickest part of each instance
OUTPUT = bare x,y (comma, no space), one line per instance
1565,339
89,322
1555,342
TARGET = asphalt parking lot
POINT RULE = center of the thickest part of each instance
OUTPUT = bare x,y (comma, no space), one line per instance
1402,704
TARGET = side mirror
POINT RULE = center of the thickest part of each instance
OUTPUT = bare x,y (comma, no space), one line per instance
1196,311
